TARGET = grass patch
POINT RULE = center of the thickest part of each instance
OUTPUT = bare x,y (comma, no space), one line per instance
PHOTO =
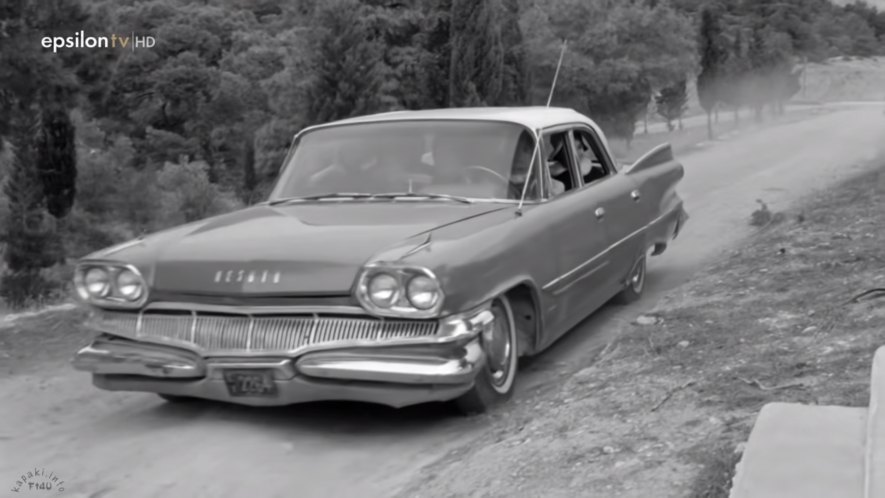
32,341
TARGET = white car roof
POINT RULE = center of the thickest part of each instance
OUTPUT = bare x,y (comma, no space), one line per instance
532,117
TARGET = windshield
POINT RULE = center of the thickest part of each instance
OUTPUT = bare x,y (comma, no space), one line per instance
469,159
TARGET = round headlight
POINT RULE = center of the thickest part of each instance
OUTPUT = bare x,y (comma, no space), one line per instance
129,285
97,282
383,290
423,292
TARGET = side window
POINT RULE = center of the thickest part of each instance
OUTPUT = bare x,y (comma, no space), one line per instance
592,167
560,163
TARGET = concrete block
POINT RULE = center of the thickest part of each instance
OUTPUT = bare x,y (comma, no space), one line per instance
874,464
804,451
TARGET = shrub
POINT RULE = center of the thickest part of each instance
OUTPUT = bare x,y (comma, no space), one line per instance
34,288
187,195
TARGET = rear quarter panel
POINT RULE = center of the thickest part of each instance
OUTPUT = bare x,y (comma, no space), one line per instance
658,175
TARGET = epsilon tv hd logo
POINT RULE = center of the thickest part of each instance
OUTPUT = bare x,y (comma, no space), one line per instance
128,41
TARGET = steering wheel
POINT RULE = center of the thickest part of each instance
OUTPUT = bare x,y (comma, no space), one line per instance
490,172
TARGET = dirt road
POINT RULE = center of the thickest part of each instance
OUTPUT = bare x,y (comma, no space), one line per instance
134,445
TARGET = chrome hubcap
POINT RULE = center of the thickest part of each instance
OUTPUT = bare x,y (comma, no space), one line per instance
637,279
498,347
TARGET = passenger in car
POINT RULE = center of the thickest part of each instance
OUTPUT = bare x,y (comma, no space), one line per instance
521,169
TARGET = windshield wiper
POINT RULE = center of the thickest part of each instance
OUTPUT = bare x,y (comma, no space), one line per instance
423,195
319,197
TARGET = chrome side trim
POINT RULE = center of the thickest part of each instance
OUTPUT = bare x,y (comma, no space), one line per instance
607,250
582,277
419,247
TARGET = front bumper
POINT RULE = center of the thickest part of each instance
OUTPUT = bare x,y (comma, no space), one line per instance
397,375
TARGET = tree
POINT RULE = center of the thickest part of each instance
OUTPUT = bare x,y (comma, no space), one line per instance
37,88
30,237
713,59
617,53
347,65
772,79
737,72
476,77
672,102
437,43
56,159
516,82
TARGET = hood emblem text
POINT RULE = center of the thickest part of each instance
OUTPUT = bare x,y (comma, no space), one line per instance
239,276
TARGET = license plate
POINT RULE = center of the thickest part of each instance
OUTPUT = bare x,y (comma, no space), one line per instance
256,383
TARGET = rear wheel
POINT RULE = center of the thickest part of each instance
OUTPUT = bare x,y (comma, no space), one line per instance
635,283
494,384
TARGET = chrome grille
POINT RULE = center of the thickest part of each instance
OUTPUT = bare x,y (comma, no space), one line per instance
231,333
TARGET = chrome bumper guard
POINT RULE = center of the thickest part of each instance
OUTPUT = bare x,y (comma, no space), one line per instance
453,360
121,357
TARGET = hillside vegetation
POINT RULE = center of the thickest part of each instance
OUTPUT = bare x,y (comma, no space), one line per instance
846,80
100,145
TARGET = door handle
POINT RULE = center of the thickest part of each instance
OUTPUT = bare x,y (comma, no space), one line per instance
635,195
600,213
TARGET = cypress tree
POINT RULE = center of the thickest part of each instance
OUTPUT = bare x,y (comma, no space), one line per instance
56,159
713,58
516,82
672,102
476,77
348,64
439,48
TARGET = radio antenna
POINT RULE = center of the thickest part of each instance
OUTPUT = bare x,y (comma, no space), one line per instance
536,153
556,74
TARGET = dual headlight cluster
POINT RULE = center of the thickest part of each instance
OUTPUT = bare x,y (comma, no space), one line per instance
400,291
110,285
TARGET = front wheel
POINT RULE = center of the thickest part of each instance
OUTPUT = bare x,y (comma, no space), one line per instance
494,384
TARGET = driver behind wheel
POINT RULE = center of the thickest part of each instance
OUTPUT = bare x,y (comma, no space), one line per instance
522,161
448,163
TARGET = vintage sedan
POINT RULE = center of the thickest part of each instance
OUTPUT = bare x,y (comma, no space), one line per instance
401,258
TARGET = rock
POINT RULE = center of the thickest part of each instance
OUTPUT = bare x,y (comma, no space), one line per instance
647,320
683,344
608,450
739,449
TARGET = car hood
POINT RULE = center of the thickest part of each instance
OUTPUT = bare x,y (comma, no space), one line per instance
301,249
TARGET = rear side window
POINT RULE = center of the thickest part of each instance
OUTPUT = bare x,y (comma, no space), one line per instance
589,157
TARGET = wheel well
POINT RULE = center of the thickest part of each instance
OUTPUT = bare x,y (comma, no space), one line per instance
525,315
